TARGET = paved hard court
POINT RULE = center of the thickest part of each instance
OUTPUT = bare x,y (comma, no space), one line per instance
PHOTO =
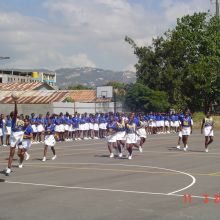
83,183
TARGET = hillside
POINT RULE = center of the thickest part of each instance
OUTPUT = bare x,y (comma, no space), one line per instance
91,76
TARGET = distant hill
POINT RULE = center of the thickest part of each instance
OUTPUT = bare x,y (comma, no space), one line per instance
91,76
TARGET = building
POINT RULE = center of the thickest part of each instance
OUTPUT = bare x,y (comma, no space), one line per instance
22,76
42,98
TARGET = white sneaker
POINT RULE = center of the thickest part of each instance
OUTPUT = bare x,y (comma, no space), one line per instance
140,149
44,159
20,165
185,148
7,171
54,157
206,150
111,155
27,156
129,157
4,145
178,147
120,155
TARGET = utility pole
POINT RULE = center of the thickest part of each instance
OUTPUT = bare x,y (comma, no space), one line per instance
217,7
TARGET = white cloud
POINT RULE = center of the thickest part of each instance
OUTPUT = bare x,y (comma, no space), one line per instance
176,9
86,32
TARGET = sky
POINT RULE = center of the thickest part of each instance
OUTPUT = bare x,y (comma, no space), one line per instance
51,34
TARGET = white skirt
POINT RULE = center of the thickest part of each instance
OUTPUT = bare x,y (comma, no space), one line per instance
62,128
16,138
49,140
166,124
158,123
86,126
121,136
91,126
111,138
8,131
161,123
26,144
34,127
66,127
57,128
102,126
96,126
131,139
176,124
1,132
40,128
186,131
207,131
142,132
81,127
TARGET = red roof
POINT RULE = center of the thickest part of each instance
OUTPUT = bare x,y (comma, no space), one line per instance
22,86
38,97
86,96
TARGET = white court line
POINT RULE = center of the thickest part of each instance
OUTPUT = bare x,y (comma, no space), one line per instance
103,189
142,166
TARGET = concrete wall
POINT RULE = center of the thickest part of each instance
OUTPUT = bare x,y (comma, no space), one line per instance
26,109
58,107
85,107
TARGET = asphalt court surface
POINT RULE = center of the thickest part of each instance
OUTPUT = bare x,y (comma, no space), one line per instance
84,183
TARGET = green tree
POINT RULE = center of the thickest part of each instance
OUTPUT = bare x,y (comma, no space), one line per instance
183,62
142,98
79,87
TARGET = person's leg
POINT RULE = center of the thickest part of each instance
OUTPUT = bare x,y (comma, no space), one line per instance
10,159
129,148
110,150
21,153
45,153
185,142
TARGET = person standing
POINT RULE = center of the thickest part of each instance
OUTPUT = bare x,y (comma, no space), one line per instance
207,129
186,128
49,140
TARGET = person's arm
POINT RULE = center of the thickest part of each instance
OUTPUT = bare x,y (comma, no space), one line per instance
203,122
15,109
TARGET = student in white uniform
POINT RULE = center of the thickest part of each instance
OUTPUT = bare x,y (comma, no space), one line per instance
141,132
16,135
131,138
186,128
207,129
111,136
49,140
121,135
25,145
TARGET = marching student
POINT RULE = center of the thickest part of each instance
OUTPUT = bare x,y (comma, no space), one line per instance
185,128
49,140
40,128
111,135
16,135
207,129
141,132
25,145
121,135
131,139
102,125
